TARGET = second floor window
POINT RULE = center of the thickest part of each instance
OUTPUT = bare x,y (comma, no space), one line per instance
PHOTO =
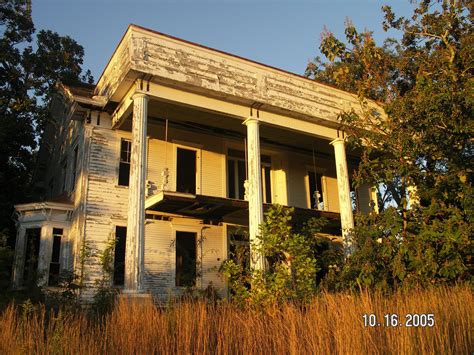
236,175
64,175
74,168
315,190
124,166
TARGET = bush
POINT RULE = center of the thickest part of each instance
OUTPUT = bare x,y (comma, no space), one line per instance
296,257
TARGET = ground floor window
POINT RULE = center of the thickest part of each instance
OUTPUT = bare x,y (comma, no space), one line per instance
119,255
185,259
30,267
54,265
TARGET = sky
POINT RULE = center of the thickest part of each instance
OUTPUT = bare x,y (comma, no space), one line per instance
281,33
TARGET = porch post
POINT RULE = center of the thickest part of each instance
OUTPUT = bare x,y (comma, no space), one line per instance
134,249
255,190
19,260
345,204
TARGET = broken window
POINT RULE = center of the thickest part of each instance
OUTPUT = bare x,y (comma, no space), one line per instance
124,166
186,171
239,249
315,190
32,241
185,259
54,266
236,175
119,255
74,168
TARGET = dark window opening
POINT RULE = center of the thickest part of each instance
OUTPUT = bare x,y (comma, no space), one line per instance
231,179
54,266
124,167
74,168
315,190
64,175
185,259
239,250
267,185
30,268
119,255
186,171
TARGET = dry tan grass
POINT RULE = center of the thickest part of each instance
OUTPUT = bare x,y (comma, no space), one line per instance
331,324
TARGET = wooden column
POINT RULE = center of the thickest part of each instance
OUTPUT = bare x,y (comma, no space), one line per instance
254,190
19,261
134,250
345,203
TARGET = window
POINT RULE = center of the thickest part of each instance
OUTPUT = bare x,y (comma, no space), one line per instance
119,255
266,181
185,259
124,166
315,190
63,175
186,171
74,168
54,266
32,241
236,174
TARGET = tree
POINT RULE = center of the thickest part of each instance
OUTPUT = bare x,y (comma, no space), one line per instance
424,141
297,258
27,78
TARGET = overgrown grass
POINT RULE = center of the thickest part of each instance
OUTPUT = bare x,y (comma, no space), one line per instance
331,324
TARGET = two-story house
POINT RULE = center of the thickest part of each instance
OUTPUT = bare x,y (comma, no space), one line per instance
177,148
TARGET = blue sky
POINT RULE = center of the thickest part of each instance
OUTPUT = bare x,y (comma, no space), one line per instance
280,33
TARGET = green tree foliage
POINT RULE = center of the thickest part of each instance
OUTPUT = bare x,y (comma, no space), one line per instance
423,140
29,68
297,259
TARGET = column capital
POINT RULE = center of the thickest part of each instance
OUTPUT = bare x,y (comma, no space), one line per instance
140,94
338,141
251,120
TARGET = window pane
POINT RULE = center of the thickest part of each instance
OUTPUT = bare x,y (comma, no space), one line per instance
74,168
124,166
125,150
241,178
231,178
185,259
268,186
312,189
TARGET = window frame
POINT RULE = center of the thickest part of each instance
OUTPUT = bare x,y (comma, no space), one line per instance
198,150
120,162
75,159
263,164
60,254
197,276
114,274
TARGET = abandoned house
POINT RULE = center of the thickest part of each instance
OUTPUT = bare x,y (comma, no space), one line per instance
176,150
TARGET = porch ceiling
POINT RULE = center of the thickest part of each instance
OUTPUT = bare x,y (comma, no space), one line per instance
190,118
